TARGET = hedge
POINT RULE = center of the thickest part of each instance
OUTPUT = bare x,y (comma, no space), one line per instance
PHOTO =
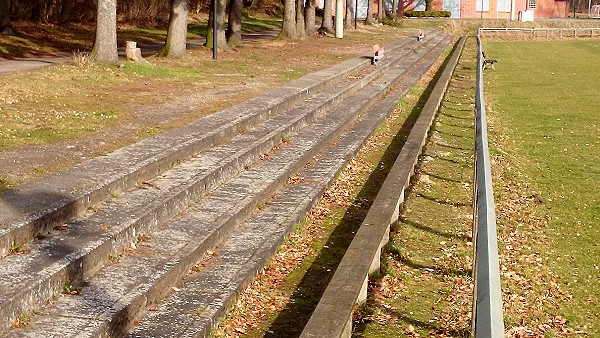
427,14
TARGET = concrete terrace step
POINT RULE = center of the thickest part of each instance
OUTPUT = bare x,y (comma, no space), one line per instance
82,246
117,293
35,208
205,294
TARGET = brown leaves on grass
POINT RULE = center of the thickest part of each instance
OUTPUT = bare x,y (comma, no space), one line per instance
265,297
532,294
342,191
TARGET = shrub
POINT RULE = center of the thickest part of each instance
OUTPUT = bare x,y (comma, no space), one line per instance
427,14
388,21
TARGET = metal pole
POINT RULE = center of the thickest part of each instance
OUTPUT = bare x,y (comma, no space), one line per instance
339,19
481,9
356,12
214,29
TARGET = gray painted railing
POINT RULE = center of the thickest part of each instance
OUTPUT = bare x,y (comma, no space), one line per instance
576,32
488,318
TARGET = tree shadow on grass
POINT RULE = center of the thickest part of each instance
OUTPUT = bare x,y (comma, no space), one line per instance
361,325
439,177
434,231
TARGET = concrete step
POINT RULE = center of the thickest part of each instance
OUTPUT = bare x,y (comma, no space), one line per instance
35,208
120,291
205,294
82,246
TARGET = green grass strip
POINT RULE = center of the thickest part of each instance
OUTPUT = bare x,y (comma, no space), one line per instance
546,129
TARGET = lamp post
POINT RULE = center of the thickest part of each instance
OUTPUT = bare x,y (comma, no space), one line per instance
339,19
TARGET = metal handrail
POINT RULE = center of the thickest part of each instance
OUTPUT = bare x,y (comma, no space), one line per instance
577,32
492,29
487,306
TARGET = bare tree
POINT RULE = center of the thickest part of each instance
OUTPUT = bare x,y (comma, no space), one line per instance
234,28
350,11
177,33
221,39
5,23
309,18
105,44
66,10
327,23
288,29
300,29
381,10
369,19
39,11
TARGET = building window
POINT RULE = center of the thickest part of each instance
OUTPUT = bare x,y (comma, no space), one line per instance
503,5
531,4
483,5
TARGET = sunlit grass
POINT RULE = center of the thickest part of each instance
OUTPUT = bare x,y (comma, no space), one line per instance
545,105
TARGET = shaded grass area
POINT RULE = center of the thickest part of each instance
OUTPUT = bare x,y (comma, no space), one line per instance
547,133
34,39
249,24
425,286
43,106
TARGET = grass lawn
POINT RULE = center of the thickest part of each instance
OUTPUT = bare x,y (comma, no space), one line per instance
545,115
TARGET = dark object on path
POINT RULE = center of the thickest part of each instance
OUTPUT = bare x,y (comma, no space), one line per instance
421,35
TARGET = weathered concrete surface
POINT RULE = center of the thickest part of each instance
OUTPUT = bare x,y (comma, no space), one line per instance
119,293
334,311
83,246
208,292
35,208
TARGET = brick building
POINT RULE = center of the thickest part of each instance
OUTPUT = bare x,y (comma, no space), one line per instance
482,9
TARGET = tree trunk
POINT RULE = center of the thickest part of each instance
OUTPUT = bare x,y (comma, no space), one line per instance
38,11
309,18
394,9
369,19
177,33
105,44
5,23
289,20
234,28
327,23
428,5
300,28
350,11
66,11
221,39
381,10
